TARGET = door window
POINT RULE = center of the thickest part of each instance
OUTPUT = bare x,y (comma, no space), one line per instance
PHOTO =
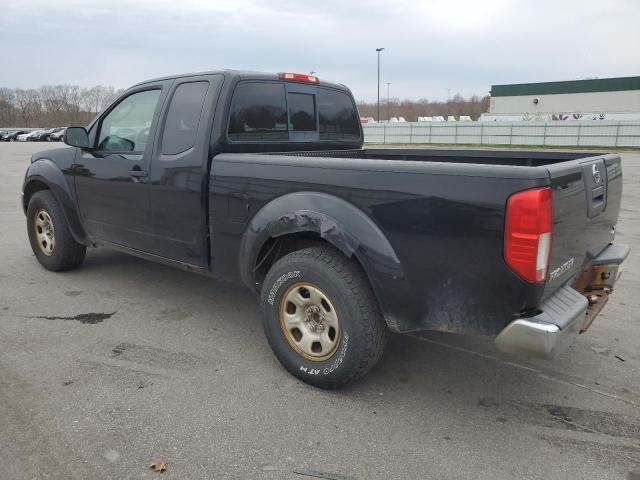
126,127
183,117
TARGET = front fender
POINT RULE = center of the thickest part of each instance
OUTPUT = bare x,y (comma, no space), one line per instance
45,171
342,225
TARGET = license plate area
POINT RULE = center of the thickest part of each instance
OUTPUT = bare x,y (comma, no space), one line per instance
596,284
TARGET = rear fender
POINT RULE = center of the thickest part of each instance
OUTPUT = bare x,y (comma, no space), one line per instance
339,223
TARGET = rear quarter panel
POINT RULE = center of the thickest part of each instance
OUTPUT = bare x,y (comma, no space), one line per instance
444,222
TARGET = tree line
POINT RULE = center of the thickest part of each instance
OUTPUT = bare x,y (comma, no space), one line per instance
53,105
63,105
412,109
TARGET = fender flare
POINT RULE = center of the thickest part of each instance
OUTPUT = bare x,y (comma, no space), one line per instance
47,172
336,221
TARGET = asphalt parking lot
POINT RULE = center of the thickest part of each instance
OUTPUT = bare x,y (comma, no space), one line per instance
176,368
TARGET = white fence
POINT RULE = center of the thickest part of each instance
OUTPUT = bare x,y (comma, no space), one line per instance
596,133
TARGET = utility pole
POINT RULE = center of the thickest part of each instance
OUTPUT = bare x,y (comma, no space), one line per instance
379,50
388,103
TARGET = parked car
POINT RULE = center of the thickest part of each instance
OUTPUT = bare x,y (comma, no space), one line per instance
261,179
11,136
57,135
24,137
41,135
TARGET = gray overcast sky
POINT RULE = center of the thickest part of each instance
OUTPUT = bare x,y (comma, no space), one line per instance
431,45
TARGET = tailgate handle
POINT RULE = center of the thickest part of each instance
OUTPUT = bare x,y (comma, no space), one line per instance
594,175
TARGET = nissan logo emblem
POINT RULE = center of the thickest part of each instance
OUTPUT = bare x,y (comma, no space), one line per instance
596,173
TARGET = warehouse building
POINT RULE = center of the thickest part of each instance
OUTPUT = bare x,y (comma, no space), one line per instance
593,99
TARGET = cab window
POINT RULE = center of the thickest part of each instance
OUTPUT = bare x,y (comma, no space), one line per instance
338,116
183,117
302,112
258,112
126,127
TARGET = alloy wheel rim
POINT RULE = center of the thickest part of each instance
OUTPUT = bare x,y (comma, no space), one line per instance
309,322
45,233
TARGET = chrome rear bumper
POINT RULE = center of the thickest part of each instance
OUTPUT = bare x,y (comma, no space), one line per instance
540,336
567,312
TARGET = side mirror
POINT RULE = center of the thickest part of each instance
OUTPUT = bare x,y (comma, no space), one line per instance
76,137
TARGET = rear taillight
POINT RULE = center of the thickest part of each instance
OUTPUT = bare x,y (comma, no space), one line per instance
298,77
527,238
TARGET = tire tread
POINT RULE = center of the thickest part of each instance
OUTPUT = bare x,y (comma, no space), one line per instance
359,289
71,253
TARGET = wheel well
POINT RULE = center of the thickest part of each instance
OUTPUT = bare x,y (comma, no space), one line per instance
30,190
275,248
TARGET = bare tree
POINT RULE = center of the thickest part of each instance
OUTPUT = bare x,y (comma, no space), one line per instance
8,111
53,105
412,109
29,107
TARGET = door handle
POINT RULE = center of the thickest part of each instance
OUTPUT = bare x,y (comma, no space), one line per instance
137,173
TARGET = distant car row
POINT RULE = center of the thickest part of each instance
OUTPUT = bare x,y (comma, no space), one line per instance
49,135
439,118
450,118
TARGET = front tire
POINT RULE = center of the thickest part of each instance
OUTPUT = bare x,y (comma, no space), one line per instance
321,317
49,234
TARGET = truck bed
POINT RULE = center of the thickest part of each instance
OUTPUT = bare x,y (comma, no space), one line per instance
481,157
443,213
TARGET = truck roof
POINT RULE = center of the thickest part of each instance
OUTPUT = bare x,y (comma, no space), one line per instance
241,75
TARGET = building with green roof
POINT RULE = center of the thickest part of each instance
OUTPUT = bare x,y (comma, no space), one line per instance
597,98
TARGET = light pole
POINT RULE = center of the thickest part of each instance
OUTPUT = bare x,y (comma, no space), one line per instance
388,103
379,50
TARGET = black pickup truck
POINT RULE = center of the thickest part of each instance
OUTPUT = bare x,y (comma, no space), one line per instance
261,179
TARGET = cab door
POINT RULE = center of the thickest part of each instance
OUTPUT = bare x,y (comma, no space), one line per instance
111,178
179,176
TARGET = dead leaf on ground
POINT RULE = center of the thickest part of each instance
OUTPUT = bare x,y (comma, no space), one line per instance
159,466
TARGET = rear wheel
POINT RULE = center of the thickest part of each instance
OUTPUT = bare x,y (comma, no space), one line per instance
321,318
49,235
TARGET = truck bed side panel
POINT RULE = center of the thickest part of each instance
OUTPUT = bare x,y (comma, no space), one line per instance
445,223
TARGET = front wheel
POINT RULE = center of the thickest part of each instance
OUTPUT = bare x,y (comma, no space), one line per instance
321,317
49,235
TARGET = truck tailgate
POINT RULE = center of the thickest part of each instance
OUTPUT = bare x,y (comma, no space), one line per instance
586,201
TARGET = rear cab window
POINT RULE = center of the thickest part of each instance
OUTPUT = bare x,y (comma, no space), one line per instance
338,118
258,112
266,111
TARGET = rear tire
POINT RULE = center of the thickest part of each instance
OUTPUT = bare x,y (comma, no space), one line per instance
321,317
49,234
